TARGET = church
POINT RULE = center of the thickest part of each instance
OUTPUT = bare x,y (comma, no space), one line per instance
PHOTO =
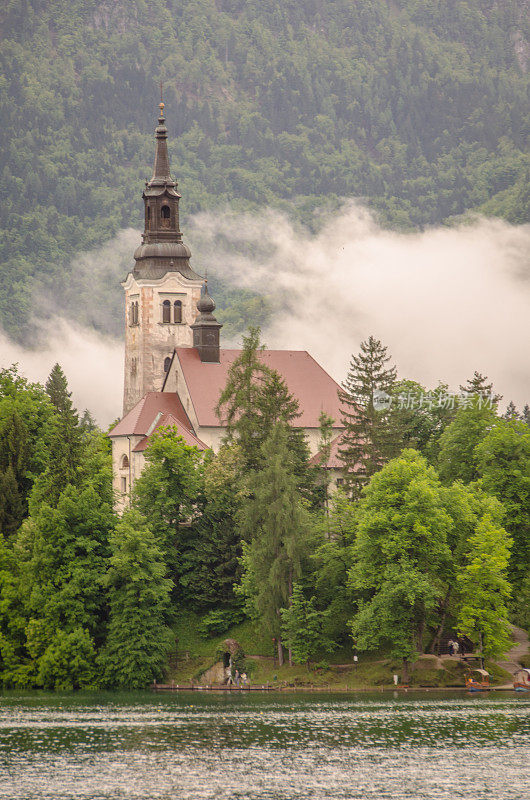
175,367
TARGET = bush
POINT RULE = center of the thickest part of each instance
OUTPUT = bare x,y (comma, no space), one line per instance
69,662
219,621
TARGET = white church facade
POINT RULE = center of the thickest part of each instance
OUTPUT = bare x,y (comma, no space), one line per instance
175,367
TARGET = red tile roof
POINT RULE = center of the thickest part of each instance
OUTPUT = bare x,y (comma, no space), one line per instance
169,421
314,389
141,417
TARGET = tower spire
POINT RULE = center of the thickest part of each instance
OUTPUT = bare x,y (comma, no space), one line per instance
162,248
161,172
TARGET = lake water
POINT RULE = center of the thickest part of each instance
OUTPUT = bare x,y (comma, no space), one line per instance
265,746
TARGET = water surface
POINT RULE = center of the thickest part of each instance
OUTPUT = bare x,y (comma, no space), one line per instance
265,746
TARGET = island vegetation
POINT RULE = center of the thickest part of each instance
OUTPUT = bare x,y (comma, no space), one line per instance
429,533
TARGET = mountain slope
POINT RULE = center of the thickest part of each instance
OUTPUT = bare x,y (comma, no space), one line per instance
419,108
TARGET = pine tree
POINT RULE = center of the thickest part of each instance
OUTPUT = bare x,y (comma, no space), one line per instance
274,527
139,639
87,422
369,439
478,385
12,507
254,399
211,560
526,414
322,478
14,468
65,438
511,412
238,405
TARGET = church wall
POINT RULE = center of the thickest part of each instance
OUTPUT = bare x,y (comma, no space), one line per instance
150,340
313,438
212,436
123,477
176,383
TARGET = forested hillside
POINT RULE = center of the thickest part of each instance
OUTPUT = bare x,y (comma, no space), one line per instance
420,108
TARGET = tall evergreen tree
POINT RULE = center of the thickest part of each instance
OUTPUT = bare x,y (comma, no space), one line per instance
65,438
479,385
254,399
212,559
12,507
369,439
238,405
274,527
14,468
511,411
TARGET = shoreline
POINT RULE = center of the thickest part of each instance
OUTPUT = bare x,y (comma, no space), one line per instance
163,688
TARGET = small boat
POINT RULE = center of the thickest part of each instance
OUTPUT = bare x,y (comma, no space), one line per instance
477,680
521,680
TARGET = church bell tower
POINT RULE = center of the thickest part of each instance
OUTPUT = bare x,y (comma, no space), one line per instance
162,290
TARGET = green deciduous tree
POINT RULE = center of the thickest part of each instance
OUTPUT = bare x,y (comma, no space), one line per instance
169,493
139,639
69,662
401,546
457,459
303,627
503,462
484,589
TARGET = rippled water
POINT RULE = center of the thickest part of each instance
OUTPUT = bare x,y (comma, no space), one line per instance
266,746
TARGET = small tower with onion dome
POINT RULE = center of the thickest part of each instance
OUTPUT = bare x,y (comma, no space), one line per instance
206,329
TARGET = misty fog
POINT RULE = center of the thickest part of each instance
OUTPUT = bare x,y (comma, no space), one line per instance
446,301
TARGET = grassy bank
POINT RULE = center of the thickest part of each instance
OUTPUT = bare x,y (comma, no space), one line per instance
195,654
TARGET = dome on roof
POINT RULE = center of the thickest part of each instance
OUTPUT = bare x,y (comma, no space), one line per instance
162,250
206,304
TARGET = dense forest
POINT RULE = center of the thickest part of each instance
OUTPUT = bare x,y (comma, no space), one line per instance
418,108
428,536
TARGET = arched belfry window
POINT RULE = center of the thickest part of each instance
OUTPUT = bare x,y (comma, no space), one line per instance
167,363
133,313
165,214
124,462
166,311
177,311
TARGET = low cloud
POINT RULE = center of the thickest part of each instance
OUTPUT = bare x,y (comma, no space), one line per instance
446,301
92,363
